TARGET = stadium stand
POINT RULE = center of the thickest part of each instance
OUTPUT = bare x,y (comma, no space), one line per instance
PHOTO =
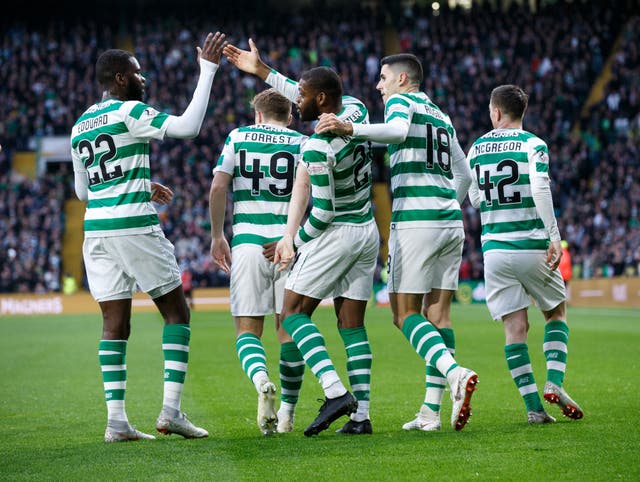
558,54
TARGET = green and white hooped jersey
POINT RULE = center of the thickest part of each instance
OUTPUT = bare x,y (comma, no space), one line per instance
341,181
261,160
110,142
503,163
422,181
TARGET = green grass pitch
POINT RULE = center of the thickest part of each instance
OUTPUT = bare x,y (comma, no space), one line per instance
53,415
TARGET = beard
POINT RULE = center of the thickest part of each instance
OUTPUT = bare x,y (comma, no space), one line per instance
309,113
135,91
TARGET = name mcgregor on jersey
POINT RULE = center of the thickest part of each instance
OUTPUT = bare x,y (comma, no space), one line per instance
492,147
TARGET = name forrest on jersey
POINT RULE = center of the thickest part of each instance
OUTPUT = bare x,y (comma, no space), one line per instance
267,138
261,160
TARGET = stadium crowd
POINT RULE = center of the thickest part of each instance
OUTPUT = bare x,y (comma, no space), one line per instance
31,230
556,56
599,212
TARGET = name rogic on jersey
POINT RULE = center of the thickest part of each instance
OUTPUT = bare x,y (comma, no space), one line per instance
110,143
340,174
261,160
503,162
422,183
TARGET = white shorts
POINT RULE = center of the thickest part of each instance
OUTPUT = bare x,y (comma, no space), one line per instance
115,264
257,288
511,277
423,259
339,263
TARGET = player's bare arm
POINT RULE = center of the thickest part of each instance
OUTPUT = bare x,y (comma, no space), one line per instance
331,123
212,47
247,60
220,251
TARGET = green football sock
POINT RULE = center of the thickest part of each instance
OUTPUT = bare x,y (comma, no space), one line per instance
311,344
556,338
519,364
436,381
175,347
251,355
113,364
291,372
359,361
428,343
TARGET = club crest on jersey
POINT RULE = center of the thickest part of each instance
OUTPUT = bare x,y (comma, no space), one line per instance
543,157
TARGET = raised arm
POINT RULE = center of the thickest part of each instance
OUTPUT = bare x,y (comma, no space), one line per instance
250,61
189,123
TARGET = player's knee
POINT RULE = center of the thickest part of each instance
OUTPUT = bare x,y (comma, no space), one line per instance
179,316
358,323
557,313
116,332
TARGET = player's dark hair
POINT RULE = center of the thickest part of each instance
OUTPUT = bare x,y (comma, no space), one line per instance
110,63
324,79
409,63
511,100
272,105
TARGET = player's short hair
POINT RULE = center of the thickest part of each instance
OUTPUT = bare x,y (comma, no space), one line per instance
272,105
110,63
511,100
408,63
324,79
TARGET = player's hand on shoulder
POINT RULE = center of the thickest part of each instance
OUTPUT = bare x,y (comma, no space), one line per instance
331,123
212,47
